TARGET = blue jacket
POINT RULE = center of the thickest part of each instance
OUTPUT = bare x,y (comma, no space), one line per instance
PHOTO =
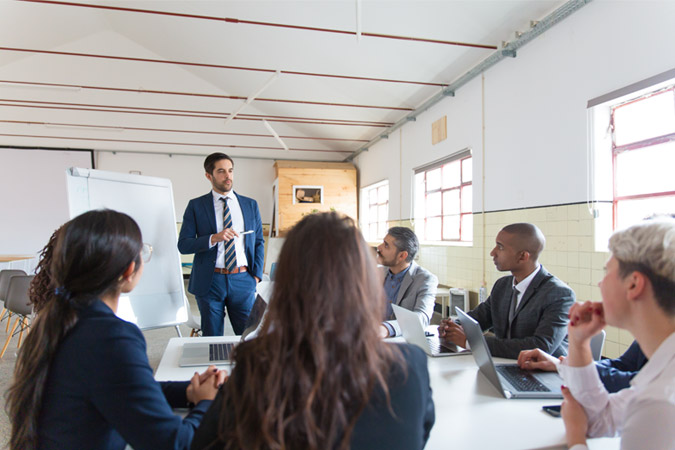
617,373
199,223
100,392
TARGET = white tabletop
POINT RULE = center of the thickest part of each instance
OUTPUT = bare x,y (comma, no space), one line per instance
470,412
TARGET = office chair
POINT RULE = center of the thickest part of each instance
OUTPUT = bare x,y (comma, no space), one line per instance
5,276
597,344
19,304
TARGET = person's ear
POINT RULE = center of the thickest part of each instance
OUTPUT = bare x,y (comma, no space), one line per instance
129,270
207,175
402,256
636,283
524,256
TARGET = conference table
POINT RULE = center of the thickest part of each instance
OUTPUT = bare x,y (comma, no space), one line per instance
470,412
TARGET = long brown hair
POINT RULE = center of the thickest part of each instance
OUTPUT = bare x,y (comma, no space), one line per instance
90,254
42,286
303,382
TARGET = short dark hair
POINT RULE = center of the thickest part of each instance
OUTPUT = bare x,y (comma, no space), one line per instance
529,238
212,159
405,239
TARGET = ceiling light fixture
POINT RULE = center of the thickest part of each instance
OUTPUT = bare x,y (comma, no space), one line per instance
274,133
253,97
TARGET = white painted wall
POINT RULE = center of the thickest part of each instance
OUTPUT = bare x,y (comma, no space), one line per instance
252,177
535,109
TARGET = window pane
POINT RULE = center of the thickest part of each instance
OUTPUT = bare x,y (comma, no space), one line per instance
372,214
451,174
381,230
646,170
630,212
372,196
467,227
467,170
382,214
433,229
451,202
372,232
383,194
650,117
466,198
419,197
434,179
433,204
451,227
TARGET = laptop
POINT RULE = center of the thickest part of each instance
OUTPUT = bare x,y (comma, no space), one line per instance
413,332
208,353
509,379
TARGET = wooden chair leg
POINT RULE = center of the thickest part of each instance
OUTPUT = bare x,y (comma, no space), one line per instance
4,349
2,314
23,327
9,319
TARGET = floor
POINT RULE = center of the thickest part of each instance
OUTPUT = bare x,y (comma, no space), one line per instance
156,342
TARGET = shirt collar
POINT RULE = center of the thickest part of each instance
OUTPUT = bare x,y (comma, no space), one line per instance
661,358
523,285
398,276
217,196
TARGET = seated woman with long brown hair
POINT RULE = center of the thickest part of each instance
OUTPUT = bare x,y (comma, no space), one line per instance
319,376
82,378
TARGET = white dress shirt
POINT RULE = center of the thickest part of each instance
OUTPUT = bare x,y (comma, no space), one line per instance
237,225
644,414
523,285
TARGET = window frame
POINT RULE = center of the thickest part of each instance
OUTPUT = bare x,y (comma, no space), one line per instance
365,195
460,156
616,150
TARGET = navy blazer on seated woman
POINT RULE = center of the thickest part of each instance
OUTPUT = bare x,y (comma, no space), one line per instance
101,393
407,428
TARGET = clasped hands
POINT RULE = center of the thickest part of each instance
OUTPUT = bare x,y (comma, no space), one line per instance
205,386
450,331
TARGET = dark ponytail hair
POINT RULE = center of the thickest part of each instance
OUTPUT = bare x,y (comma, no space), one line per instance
90,254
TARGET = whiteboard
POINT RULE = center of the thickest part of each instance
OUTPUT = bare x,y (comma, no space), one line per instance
159,298
33,197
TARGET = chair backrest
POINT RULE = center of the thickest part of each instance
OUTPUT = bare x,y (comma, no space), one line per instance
17,295
597,344
5,276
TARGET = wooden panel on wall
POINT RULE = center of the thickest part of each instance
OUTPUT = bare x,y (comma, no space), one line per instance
339,189
439,130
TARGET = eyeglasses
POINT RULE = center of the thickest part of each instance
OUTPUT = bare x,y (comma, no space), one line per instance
146,253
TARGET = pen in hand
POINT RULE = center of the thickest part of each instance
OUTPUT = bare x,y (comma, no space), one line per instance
245,232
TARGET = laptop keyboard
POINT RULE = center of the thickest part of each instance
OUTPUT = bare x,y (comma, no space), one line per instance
220,352
521,379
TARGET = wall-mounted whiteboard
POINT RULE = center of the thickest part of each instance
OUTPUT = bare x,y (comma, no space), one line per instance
159,299
33,197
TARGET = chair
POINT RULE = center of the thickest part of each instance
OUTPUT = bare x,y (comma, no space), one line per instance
18,303
597,344
5,276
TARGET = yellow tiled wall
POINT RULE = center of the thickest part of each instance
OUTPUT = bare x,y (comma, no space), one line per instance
569,254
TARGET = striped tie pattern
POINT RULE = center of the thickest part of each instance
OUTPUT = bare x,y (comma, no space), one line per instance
230,254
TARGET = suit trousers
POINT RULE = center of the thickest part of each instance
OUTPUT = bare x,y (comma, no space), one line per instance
236,292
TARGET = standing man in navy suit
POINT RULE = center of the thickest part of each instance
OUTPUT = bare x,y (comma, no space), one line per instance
224,231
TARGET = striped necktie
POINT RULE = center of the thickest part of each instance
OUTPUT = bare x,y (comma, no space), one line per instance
230,254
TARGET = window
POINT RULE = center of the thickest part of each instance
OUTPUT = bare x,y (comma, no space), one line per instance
643,156
443,199
376,200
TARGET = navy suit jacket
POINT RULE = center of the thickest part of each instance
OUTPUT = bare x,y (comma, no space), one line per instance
407,428
540,320
199,223
100,392
617,373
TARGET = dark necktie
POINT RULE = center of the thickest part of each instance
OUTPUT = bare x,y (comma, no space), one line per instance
230,254
512,310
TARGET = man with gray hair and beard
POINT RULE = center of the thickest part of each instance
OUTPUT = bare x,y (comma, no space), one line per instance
406,284
527,309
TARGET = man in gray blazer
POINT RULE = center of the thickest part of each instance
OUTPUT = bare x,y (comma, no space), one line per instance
528,309
406,284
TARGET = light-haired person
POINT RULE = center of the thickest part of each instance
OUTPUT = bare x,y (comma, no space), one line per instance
638,295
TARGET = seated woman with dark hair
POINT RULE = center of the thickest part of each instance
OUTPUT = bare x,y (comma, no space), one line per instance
318,376
82,378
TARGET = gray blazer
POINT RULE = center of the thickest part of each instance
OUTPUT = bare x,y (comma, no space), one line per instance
417,293
540,320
